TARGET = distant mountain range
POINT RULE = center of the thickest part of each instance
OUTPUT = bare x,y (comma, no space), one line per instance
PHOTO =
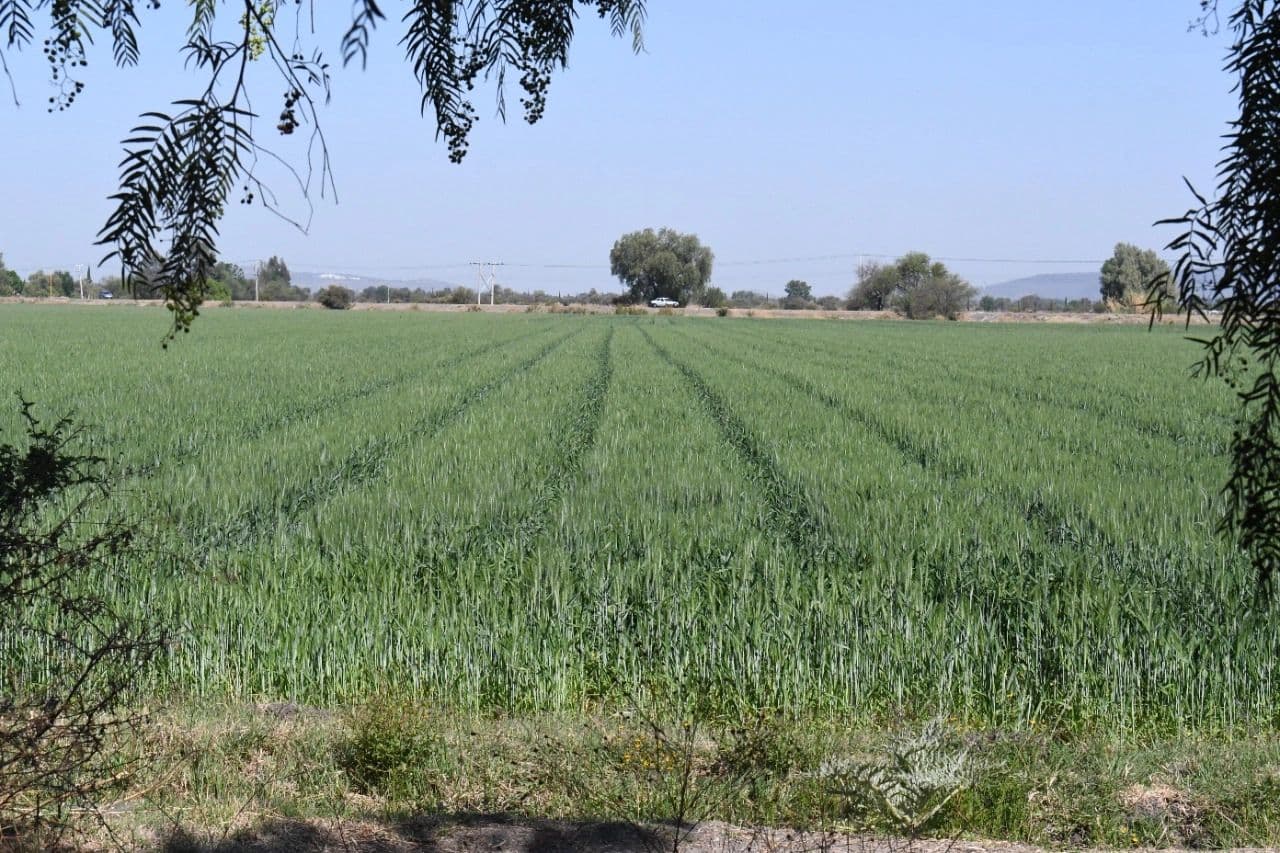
1054,285
315,281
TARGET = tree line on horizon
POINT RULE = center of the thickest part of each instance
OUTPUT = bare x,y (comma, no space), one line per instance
666,263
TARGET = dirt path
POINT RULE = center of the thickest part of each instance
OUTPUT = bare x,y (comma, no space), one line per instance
474,834
1139,319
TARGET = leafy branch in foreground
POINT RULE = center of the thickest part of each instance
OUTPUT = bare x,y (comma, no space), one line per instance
1229,260
59,719
181,166
176,182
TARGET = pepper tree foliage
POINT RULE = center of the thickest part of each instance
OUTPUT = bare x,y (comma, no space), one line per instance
1229,260
183,165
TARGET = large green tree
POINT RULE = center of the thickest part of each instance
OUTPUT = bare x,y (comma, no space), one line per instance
183,165
662,263
799,294
714,297
275,283
875,286
10,281
56,283
1128,275
227,281
914,285
797,289
275,269
748,299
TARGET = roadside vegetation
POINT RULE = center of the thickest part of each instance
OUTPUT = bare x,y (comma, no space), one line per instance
394,768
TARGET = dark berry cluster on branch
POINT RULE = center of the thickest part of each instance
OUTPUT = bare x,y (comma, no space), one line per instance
289,115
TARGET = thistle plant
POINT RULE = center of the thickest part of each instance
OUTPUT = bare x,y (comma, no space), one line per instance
910,785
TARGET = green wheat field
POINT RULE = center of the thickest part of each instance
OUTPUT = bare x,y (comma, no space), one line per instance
1004,523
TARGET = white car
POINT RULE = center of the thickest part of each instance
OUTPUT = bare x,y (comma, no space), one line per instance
663,302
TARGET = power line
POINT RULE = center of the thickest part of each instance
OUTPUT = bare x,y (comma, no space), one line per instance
604,268
491,278
796,259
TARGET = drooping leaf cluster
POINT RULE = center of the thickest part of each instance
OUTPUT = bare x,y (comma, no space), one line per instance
1229,261
72,24
453,44
183,164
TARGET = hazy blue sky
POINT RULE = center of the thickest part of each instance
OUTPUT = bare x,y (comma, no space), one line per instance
1005,129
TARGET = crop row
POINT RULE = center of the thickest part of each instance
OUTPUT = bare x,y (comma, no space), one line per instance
931,456
1066,456
537,512
363,464
790,508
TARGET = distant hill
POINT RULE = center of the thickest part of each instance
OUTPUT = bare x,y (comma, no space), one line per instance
314,281
1055,285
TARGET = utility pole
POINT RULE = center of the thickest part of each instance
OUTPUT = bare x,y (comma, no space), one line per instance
257,275
80,279
491,278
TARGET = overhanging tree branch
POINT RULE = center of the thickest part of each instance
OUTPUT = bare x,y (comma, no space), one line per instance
180,165
1229,260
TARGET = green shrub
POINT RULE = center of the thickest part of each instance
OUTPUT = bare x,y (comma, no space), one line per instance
58,725
393,749
722,311
217,292
714,297
629,310
762,745
337,297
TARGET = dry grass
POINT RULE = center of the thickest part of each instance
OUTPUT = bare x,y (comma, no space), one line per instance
267,777
1135,318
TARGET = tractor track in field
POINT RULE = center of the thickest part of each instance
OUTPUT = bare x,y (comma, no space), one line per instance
898,438
1036,395
738,333
280,419
582,433
582,429
1057,524
361,466
788,503
403,377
